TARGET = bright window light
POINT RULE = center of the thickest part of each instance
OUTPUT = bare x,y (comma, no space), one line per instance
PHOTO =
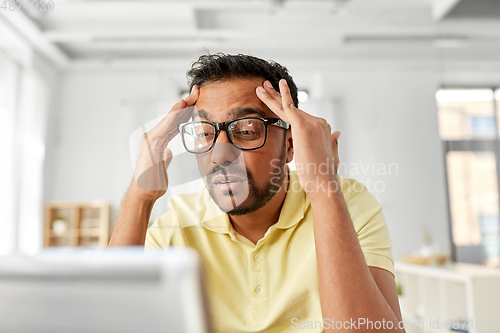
464,95
8,84
302,95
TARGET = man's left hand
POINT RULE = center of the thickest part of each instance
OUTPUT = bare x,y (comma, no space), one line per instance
315,147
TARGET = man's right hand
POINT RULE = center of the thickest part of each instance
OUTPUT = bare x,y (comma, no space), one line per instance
150,176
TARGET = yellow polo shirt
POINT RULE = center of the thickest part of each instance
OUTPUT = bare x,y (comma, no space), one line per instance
262,287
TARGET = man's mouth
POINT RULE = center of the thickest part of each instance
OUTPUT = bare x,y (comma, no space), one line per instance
227,182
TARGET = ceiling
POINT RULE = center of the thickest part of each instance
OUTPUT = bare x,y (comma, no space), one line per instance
80,32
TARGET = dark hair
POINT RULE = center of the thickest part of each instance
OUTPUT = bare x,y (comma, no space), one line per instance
219,66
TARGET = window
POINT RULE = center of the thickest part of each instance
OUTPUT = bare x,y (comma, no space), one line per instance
468,126
8,94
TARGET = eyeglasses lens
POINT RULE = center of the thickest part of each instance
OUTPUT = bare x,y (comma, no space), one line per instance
245,133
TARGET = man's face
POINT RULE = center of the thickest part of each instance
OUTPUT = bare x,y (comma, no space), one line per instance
246,180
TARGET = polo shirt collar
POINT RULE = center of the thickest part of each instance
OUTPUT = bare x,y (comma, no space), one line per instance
295,205
292,212
215,219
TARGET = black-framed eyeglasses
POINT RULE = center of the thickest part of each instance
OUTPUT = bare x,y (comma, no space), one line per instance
247,133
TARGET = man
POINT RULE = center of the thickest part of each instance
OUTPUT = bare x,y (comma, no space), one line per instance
282,251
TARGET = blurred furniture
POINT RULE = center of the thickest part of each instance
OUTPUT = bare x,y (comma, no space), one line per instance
447,293
472,254
76,224
118,290
439,259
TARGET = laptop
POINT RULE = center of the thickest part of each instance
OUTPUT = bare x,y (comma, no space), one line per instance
118,290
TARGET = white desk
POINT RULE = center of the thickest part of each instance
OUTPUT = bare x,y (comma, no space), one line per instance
452,291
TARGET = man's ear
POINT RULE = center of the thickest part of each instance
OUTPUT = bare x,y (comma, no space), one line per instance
289,145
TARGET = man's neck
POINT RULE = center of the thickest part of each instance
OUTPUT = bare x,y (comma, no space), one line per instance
254,225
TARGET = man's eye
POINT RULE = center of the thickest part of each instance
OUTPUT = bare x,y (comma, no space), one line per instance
247,135
245,132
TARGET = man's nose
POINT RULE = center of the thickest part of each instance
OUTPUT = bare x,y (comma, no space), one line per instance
223,152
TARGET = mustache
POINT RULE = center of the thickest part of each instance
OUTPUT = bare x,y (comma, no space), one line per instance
219,170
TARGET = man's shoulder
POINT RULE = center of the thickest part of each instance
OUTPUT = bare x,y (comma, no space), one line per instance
186,209
350,186
188,200
358,197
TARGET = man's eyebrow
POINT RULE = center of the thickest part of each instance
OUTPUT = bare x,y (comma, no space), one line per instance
200,113
242,112
236,113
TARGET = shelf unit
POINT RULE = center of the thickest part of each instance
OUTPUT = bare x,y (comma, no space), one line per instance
456,290
86,224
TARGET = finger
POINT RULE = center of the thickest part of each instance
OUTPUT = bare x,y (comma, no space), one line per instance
193,97
286,97
271,91
180,112
335,138
167,157
148,144
294,114
335,146
183,106
271,103
188,101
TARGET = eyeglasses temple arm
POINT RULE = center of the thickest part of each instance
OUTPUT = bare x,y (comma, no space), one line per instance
281,123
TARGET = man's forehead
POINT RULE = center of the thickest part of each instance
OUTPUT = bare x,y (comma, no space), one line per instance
230,99
230,114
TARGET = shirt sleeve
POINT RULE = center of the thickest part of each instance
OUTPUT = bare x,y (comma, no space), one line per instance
163,230
370,225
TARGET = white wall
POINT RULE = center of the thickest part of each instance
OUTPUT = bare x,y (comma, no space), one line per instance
26,95
387,114
390,142
88,155
37,96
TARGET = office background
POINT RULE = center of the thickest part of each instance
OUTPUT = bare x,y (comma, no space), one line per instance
79,77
